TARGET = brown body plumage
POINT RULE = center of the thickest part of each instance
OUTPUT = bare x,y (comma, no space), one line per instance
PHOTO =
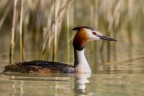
39,66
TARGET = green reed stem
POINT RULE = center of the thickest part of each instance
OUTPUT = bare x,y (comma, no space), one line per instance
20,30
11,61
57,6
68,35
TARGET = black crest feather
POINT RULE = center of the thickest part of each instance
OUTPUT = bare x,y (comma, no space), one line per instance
80,27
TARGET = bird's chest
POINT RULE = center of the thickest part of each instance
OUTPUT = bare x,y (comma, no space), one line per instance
81,68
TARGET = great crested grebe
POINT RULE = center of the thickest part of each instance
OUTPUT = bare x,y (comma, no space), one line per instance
83,35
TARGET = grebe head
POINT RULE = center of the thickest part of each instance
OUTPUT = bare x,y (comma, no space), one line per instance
85,34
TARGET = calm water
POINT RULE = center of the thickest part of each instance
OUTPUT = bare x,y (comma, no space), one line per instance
123,79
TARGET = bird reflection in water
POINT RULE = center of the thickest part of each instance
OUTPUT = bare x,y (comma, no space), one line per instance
80,84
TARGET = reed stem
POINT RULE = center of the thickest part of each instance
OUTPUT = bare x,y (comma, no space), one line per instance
68,36
11,61
21,33
56,10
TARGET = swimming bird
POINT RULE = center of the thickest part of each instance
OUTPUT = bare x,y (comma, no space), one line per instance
83,35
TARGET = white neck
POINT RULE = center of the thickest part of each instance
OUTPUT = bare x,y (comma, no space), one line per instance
81,65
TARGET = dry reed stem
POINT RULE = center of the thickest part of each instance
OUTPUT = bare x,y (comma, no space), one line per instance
20,32
47,41
68,36
56,10
11,61
56,25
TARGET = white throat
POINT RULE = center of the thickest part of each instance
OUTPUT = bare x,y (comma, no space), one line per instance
81,65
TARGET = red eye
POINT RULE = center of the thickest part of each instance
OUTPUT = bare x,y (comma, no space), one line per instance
94,33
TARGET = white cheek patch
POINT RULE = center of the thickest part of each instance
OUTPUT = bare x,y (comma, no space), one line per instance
91,35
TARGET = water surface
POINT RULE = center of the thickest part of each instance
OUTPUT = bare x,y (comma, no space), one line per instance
110,80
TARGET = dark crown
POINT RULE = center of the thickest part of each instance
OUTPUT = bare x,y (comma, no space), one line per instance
80,27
